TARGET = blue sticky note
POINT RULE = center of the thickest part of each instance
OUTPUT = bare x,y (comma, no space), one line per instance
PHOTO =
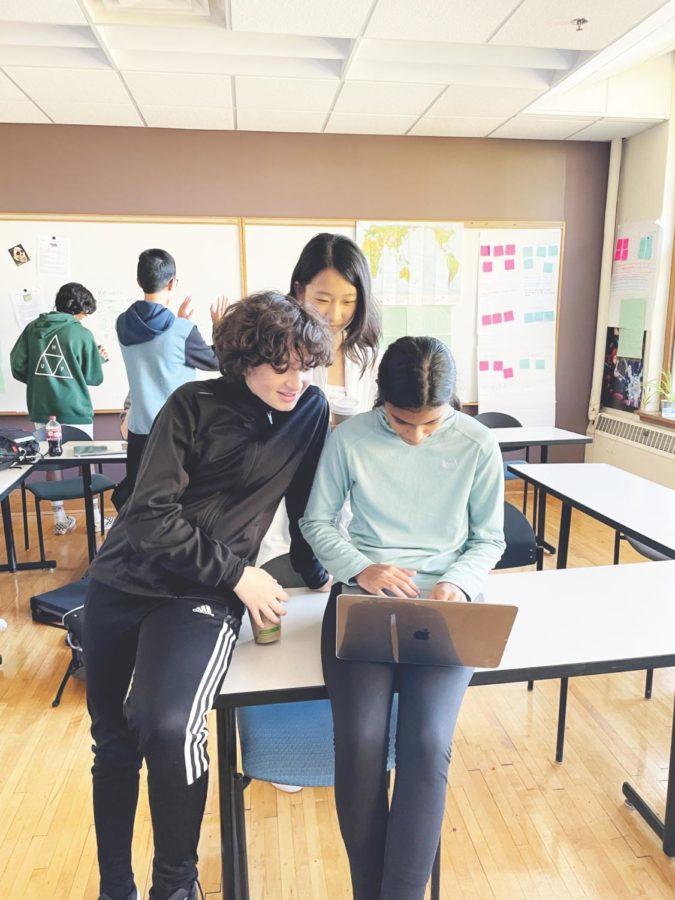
549,315
529,317
548,268
527,251
552,250
540,364
524,364
539,317
541,251
528,264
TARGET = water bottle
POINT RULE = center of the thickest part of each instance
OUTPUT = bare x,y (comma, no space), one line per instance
54,437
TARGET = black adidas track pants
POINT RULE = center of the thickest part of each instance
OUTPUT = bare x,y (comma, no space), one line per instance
154,666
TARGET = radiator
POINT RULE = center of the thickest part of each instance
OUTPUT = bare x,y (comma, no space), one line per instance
627,443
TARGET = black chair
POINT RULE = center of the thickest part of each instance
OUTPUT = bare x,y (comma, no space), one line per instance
67,488
504,420
521,541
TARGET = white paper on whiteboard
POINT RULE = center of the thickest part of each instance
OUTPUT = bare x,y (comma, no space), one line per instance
54,256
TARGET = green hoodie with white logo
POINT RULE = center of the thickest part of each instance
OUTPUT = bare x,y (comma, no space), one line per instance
56,357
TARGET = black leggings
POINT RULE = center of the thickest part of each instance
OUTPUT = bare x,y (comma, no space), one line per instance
153,669
391,851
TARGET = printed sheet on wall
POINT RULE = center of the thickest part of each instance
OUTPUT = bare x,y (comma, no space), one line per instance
518,272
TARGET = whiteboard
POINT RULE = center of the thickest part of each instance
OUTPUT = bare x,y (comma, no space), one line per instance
103,255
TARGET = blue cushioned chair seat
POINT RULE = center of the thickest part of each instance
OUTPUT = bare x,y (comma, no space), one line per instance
69,488
509,476
292,743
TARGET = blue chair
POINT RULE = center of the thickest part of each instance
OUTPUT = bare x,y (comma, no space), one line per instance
67,488
504,420
292,743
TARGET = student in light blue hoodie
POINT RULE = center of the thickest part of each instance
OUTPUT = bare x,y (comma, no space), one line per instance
427,495
161,352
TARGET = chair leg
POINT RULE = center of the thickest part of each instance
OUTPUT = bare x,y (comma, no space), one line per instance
102,512
24,511
649,680
617,547
436,875
524,498
62,686
41,539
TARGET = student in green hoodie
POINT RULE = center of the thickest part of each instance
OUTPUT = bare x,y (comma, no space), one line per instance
426,485
57,359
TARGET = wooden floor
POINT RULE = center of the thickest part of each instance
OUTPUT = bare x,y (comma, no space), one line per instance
516,824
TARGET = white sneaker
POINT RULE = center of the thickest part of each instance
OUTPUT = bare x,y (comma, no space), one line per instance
287,788
108,521
65,526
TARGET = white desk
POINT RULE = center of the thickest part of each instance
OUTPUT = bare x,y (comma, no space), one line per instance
627,503
546,642
10,479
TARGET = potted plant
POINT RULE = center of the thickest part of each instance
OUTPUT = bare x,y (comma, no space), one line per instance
663,389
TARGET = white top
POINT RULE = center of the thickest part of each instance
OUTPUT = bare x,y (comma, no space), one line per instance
538,436
362,387
619,498
565,617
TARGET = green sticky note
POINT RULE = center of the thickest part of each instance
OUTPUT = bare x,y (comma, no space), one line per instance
527,251
549,315
394,319
540,364
541,251
548,268
529,317
539,317
632,314
528,264
552,249
645,251
524,364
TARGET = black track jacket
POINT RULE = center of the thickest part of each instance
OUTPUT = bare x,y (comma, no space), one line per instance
217,462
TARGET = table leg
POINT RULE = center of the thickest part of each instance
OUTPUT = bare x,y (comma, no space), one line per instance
664,828
232,836
564,541
89,510
549,548
562,718
541,528
12,565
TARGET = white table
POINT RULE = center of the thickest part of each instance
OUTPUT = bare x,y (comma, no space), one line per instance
10,479
116,451
546,642
627,503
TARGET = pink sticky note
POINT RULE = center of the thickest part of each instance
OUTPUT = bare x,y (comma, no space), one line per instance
486,320
487,266
510,249
497,318
508,315
499,250
497,366
509,264
483,366
485,250
508,373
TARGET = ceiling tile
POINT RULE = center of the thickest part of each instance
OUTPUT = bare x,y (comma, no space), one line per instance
540,128
197,117
608,129
481,100
548,23
311,94
20,111
66,113
320,17
77,86
9,91
455,126
459,21
226,64
57,57
277,120
352,123
171,89
381,98
29,35
63,12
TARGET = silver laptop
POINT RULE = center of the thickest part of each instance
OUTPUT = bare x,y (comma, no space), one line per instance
422,632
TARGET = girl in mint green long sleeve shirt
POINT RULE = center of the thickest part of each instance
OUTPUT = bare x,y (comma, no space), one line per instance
427,496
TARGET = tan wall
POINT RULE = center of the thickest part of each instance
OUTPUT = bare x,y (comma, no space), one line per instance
72,169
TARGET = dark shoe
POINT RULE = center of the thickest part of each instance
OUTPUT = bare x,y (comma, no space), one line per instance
192,894
134,895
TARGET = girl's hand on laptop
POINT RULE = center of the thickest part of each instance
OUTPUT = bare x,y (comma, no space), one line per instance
446,590
388,581
262,595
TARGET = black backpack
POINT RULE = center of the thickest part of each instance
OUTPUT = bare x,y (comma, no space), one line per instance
9,453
